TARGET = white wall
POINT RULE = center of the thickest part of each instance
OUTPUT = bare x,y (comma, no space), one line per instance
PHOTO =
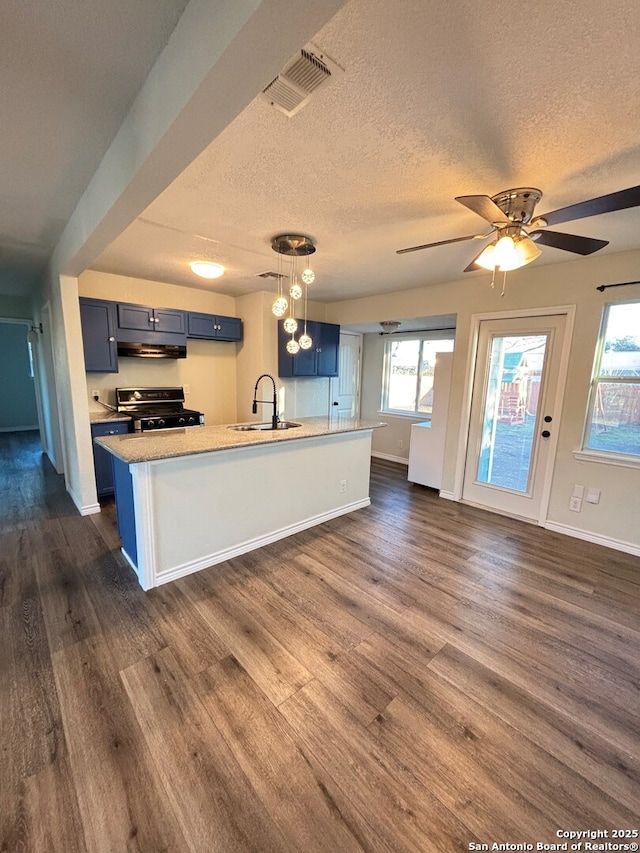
617,517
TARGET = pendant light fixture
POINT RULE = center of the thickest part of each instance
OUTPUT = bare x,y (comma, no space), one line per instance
291,247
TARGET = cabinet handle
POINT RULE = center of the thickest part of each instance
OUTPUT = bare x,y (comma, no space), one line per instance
111,339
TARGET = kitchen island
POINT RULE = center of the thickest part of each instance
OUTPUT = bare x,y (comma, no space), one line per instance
189,498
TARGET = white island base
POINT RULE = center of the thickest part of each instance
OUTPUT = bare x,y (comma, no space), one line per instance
183,514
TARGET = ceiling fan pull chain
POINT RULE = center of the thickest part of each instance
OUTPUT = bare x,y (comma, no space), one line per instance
504,283
493,279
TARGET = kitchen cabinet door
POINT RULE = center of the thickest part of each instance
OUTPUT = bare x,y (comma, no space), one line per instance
327,349
145,319
135,317
320,360
98,320
169,320
102,459
213,327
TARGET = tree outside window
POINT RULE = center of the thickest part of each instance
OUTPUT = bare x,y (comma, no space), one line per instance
613,423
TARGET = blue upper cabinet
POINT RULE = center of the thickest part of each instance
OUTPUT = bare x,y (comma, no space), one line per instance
145,319
213,327
98,318
320,360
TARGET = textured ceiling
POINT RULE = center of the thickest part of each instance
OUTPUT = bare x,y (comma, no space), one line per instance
70,71
436,100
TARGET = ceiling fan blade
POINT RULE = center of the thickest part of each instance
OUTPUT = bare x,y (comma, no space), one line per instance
595,206
439,243
473,265
484,207
568,242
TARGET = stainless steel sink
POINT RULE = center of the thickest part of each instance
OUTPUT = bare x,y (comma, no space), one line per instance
267,426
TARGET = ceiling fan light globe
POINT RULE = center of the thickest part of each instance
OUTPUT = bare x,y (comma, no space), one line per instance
487,258
505,255
527,251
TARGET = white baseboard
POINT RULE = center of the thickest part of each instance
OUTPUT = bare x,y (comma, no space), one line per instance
84,509
577,533
19,428
447,496
251,544
400,459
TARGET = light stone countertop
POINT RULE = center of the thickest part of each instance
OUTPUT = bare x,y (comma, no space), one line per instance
170,443
106,417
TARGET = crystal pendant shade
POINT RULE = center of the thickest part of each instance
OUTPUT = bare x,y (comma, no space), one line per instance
289,248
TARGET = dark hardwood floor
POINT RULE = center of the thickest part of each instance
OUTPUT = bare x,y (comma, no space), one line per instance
417,676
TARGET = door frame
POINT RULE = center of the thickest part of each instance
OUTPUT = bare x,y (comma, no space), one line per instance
470,374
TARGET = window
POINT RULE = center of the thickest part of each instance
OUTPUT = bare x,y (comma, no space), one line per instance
613,421
408,374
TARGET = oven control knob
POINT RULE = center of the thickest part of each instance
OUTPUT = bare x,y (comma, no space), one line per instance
161,422
150,424
181,420
192,420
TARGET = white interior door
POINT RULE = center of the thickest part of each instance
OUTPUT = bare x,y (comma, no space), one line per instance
513,420
345,387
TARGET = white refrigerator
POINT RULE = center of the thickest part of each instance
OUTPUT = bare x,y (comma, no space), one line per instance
426,448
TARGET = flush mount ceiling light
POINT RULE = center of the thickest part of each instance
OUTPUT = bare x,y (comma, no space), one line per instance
207,269
389,326
289,248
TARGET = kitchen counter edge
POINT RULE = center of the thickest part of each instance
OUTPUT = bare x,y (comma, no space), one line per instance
107,417
134,448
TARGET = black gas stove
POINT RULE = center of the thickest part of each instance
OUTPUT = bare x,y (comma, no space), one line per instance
157,408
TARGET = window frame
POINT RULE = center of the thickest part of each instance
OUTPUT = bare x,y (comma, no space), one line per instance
422,337
598,379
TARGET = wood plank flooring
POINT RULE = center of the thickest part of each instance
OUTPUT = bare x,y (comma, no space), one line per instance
417,676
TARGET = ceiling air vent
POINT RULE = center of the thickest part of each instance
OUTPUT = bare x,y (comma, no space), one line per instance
292,88
269,274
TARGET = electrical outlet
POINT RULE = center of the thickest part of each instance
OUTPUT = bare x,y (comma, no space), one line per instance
187,390
401,443
593,496
575,504
343,487
95,393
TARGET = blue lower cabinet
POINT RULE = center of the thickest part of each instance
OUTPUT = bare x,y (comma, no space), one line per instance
102,459
125,513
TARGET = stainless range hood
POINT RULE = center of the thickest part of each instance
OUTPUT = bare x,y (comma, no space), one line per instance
137,350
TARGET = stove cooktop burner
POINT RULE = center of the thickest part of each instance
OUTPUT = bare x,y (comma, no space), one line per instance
157,408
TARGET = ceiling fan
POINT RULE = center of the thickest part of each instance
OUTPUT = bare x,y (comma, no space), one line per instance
517,230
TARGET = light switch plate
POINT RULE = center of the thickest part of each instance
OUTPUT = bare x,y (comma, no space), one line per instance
578,491
593,496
